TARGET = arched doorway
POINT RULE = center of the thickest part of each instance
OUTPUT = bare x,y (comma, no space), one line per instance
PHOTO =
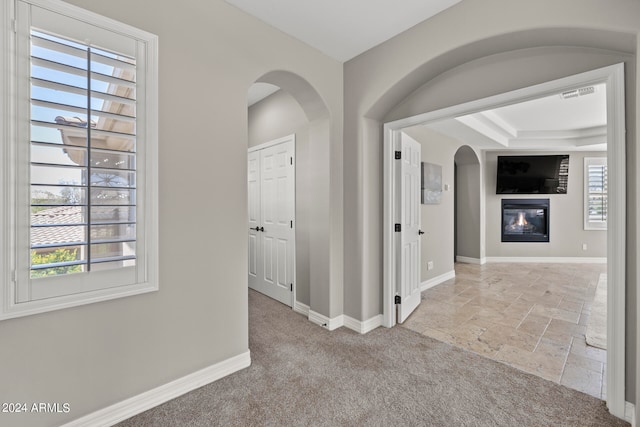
613,77
468,212
295,108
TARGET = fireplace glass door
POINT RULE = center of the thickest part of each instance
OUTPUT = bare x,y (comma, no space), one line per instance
525,220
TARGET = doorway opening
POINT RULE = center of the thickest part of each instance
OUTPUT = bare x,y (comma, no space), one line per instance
613,78
468,212
283,104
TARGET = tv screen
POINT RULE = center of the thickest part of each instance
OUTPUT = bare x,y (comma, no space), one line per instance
532,174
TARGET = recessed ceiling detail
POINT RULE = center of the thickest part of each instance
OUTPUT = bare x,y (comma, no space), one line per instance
556,122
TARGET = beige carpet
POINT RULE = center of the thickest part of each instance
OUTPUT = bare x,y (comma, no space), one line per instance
596,334
303,375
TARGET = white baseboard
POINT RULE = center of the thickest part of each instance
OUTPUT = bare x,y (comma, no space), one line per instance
336,322
551,260
326,322
437,280
630,413
137,404
301,308
363,327
468,260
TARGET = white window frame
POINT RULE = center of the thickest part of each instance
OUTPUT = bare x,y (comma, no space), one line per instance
14,248
588,224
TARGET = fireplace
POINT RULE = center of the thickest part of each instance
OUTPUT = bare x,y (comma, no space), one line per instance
525,220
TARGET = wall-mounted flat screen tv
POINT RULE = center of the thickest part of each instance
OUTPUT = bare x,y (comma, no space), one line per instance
547,174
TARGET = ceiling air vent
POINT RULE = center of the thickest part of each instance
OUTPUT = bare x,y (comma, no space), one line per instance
578,92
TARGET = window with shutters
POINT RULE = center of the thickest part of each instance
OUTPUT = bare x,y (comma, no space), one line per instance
595,193
79,188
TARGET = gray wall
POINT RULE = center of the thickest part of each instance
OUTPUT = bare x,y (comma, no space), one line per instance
471,51
566,222
437,221
100,354
274,117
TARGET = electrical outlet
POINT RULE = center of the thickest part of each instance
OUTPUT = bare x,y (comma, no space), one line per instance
430,265
584,246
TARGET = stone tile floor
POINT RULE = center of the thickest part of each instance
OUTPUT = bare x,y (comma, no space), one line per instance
530,316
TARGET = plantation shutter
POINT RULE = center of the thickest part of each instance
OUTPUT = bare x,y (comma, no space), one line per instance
596,192
81,152
82,157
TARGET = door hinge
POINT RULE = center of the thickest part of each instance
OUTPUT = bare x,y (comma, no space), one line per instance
292,287
398,299
398,155
398,228
291,159
291,223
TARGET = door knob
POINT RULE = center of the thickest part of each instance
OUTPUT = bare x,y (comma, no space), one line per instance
260,229
420,232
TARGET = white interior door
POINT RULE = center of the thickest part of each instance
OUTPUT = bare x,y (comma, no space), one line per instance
271,220
255,251
409,216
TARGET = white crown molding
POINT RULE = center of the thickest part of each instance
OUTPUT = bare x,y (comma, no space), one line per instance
560,145
571,139
596,131
497,120
492,126
487,127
